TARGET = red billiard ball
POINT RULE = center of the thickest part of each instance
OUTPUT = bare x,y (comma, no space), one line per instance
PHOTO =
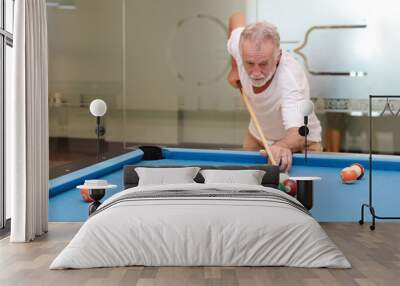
291,187
86,196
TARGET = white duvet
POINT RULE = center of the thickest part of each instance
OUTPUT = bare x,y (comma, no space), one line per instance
200,231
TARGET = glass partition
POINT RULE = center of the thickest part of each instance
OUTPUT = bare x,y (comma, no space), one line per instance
85,63
347,48
161,67
175,68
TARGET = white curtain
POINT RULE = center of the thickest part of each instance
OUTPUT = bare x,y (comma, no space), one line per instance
27,156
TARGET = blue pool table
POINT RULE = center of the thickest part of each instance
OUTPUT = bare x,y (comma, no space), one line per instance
333,200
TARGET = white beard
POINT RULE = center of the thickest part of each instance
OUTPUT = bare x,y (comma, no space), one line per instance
262,81
259,82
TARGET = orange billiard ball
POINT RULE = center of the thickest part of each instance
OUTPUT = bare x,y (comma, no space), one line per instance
348,175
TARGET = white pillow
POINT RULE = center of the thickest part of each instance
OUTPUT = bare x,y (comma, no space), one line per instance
165,176
248,177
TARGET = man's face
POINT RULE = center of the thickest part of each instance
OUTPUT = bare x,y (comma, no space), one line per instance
259,61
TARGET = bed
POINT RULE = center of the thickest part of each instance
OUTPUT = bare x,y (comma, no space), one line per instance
201,224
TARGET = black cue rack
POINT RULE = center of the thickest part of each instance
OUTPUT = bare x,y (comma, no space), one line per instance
370,201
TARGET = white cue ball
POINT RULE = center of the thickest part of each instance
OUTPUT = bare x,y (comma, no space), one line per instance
283,177
305,107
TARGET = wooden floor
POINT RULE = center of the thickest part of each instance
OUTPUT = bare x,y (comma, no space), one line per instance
375,257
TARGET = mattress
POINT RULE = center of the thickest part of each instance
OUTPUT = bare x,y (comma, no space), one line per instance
201,225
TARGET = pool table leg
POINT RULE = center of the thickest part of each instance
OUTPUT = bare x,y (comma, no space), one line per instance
93,207
96,195
305,193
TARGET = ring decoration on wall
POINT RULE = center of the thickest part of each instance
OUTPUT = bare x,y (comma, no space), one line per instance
193,52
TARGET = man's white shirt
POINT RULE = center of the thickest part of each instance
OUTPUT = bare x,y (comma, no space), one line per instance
276,107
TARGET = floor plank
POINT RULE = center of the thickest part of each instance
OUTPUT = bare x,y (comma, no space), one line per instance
375,257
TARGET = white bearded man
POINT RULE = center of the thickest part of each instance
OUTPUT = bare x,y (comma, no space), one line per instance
275,83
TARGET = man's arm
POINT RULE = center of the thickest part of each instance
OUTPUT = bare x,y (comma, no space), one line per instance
292,140
236,20
282,150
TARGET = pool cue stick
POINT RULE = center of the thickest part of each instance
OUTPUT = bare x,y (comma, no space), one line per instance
260,133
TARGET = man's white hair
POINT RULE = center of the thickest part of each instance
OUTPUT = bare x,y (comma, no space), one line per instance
258,33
